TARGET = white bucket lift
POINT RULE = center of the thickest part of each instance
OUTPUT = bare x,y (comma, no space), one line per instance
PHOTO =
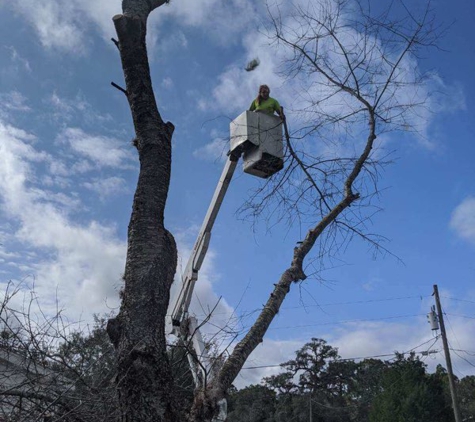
260,136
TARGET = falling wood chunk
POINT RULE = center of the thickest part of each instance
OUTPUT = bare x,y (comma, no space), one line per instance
252,64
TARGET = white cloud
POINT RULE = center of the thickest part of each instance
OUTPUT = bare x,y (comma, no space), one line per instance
58,168
167,83
213,151
60,104
18,61
56,23
378,338
65,26
5,254
101,13
222,20
12,101
101,150
65,109
384,338
82,263
463,219
164,44
107,187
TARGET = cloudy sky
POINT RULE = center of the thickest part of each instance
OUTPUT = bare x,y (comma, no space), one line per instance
68,173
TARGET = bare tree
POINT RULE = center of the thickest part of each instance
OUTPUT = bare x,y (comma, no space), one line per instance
50,370
145,383
362,84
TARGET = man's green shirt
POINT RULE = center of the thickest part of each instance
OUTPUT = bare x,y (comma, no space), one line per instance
268,106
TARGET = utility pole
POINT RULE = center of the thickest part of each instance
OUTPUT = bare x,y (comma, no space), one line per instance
453,393
310,407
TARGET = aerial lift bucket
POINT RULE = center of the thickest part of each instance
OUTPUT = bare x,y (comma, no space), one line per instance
260,137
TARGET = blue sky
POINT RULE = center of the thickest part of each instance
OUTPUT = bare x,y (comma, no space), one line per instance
68,172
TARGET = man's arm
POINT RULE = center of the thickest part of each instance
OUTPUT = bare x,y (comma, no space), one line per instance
279,110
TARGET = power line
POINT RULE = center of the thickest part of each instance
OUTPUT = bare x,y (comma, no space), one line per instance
455,350
323,305
337,322
460,316
356,302
345,322
468,352
461,357
458,300
424,343
358,357
452,329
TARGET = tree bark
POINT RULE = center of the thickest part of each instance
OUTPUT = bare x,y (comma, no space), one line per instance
144,378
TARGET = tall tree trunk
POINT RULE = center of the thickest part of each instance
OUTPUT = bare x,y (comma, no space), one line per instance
144,378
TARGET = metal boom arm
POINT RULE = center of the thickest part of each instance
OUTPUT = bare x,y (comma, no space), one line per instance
182,301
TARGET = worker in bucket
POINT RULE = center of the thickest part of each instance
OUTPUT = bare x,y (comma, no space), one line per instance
265,104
